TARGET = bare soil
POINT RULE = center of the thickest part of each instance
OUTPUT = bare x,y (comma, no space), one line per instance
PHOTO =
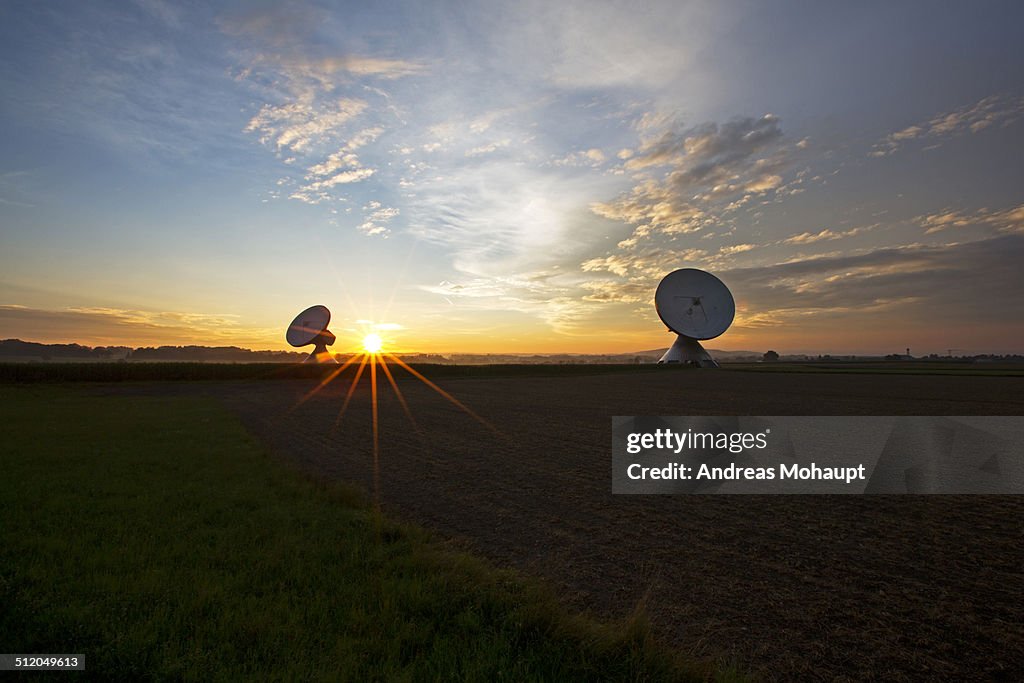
787,587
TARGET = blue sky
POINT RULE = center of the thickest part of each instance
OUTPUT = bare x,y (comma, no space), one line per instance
512,176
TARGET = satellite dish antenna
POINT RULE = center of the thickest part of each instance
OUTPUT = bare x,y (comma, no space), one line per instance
310,327
697,306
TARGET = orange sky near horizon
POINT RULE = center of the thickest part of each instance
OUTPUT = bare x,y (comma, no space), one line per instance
809,337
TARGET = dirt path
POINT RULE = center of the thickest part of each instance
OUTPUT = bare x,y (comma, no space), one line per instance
831,588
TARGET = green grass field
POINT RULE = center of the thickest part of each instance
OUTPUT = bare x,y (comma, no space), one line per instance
156,538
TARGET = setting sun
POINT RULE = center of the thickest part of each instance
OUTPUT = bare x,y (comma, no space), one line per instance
372,343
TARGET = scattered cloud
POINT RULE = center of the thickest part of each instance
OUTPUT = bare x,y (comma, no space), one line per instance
295,126
826,235
488,148
619,292
736,249
592,157
990,111
706,154
705,172
647,265
653,207
377,219
950,281
353,176
1010,220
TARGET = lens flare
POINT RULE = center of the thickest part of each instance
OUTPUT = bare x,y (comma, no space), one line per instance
370,358
372,343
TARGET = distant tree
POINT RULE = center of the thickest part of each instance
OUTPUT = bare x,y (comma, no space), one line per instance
770,356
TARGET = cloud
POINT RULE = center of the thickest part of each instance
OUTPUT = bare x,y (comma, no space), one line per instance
561,308
281,25
1010,220
285,35
706,171
985,113
488,148
826,234
736,249
340,159
963,282
500,217
619,292
307,123
359,66
314,96
377,219
705,153
479,288
297,125
591,157
353,176
586,45
653,207
645,265
948,218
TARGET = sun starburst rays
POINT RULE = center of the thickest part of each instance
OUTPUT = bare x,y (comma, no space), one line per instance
373,357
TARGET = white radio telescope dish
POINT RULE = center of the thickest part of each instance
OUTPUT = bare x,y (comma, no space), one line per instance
697,306
310,327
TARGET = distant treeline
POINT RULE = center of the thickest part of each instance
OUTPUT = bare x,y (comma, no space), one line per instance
11,348
220,354
16,348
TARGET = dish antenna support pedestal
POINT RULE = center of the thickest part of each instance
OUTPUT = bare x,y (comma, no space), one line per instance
310,327
320,353
688,350
696,306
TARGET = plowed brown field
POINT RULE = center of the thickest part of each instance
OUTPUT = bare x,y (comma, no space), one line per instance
790,588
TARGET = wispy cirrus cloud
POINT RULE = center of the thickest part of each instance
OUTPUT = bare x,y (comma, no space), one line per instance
323,109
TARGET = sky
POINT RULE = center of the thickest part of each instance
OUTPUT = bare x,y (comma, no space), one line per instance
513,177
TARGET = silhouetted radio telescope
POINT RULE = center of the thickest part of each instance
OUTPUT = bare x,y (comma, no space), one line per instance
310,327
696,306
